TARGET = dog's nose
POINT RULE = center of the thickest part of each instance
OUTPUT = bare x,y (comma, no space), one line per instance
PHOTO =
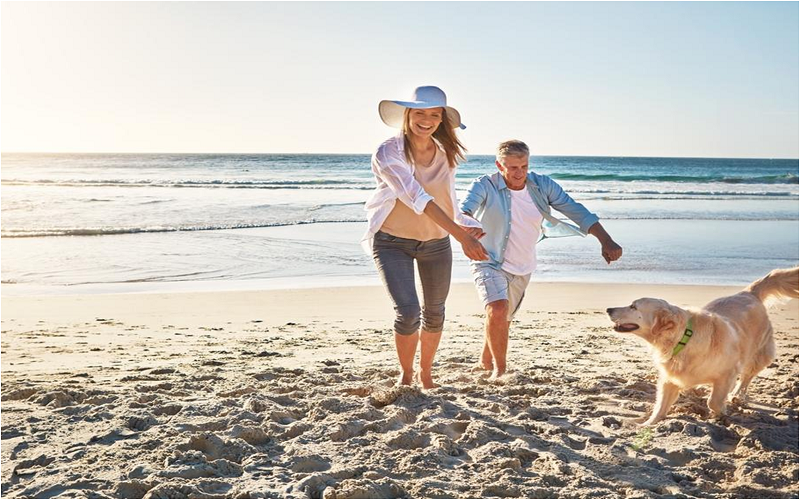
609,310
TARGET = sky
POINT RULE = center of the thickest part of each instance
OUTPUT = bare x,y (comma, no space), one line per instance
711,79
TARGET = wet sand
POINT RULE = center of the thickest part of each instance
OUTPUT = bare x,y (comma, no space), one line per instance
290,394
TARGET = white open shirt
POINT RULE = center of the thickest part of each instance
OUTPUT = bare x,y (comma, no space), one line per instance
395,178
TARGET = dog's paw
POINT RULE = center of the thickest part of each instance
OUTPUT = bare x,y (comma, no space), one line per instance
740,401
628,422
722,419
650,421
638,420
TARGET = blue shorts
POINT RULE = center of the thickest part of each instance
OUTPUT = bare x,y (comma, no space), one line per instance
494,285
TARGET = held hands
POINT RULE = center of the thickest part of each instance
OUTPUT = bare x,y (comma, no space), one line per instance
475,232
470,244
473,249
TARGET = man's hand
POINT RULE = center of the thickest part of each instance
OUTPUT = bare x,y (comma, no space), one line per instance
609,248
611,251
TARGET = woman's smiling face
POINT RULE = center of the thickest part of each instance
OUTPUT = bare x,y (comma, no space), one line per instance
424,122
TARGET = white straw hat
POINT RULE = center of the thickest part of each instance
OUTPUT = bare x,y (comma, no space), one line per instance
423,98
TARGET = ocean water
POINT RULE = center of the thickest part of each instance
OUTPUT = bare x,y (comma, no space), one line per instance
85,223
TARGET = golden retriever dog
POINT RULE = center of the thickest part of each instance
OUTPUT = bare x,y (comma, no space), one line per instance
728,339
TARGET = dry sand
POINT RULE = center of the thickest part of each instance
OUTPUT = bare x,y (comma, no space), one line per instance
289,394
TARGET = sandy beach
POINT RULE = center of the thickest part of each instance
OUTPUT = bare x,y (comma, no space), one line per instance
268,394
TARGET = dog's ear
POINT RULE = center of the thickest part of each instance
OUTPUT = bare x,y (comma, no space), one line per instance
665,321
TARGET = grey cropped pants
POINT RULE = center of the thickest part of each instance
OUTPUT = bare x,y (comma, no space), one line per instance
394,258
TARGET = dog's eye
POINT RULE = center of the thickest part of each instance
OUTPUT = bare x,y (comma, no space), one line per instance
633,306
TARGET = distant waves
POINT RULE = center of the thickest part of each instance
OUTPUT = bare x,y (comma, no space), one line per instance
75,195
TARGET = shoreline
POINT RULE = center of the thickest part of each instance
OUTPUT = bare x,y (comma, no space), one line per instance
274,285
313,255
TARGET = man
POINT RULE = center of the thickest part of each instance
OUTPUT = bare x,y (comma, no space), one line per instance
513,206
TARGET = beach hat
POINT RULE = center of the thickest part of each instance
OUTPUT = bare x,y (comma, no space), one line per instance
423,98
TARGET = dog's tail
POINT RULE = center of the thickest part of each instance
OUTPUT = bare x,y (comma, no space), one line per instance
779,284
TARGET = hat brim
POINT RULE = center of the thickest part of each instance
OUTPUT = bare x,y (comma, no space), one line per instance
392,112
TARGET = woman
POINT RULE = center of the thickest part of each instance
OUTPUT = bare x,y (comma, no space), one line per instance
411,215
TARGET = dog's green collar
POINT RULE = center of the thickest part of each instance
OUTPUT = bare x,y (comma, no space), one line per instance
687,334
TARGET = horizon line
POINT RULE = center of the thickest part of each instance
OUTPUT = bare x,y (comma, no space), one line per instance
368,154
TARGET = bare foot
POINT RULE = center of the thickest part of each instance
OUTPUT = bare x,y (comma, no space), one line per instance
426,379
481,367
405,379
496,374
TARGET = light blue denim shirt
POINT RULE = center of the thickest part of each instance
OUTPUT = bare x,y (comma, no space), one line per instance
489,201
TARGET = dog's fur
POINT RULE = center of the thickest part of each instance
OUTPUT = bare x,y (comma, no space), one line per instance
732,340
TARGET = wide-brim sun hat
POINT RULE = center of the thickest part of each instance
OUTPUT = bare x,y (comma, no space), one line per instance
423,98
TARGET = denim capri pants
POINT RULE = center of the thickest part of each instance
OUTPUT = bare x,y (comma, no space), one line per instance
394,258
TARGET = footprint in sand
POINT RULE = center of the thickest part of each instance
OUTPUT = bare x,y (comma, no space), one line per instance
194,464
167,409
365,488
723,439
214,447
254,436
19,394
310,463
139,422
407,440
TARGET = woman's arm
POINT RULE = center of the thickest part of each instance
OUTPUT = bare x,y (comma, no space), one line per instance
392,169
471,246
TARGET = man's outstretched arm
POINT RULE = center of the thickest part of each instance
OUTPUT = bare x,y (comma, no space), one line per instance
610,250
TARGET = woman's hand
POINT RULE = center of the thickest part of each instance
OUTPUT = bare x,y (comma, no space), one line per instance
469,243
472,248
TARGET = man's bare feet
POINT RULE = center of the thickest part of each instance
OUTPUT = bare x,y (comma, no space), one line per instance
481,367
497,376
426,379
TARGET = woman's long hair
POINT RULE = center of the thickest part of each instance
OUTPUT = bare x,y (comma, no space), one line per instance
445,134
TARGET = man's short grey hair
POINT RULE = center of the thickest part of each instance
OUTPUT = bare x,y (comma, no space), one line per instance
512,148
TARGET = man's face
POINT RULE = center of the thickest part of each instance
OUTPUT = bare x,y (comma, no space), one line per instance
514,170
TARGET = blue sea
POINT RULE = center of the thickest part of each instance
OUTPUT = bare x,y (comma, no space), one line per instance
96,223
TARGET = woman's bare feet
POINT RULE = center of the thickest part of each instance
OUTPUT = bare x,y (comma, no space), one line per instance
426,379
405,379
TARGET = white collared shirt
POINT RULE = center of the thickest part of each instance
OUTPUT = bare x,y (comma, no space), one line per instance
395,178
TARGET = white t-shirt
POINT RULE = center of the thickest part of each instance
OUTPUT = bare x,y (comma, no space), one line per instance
526,226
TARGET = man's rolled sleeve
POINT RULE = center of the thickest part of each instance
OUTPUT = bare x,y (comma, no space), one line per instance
465,220
564,203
